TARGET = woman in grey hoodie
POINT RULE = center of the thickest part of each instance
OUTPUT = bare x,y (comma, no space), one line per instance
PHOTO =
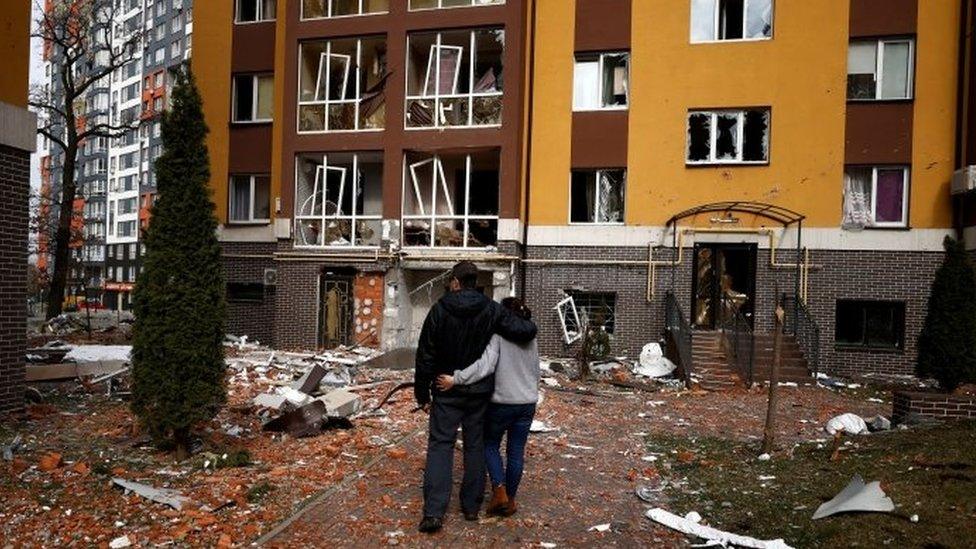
516,370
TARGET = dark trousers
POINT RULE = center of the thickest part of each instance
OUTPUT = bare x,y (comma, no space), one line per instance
513,420
446,414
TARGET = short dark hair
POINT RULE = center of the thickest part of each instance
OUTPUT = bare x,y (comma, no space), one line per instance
516,305
466,273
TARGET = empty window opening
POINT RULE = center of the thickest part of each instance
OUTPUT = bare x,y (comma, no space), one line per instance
601,81
597,196
339,199
881,69
342,85
875,196
713,20
437,4
319,9
595,309
451,200
250,11
455,78
870,324
253,98
249,292
728,137
250,199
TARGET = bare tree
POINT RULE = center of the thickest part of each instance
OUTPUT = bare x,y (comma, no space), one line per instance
80,38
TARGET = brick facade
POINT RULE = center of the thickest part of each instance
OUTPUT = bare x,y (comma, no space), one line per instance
14,182
935,405
838,274
246,262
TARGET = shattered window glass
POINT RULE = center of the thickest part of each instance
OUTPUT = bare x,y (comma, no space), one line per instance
595,309
338,199
871,324
861,65
454,78
756,136
342,85
601,81
731,20
728,136
597,196
699,137
880,69
451,200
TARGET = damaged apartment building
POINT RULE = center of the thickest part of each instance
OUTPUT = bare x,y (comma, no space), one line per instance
656,170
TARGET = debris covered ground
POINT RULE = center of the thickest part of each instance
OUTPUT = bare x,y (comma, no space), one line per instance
359,484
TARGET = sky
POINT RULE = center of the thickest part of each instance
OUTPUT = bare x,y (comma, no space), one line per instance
36,77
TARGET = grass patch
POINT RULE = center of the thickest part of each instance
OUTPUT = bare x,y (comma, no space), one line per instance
259,491
928,471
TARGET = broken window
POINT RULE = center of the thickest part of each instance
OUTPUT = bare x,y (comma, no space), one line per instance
250,11
875,197
597,196
451,200
252,292
342,85
728,137
713,20
870,324
253,98
454,78
250,199
595,309
881,69
569,320
435,4
318,9
601,81
339,199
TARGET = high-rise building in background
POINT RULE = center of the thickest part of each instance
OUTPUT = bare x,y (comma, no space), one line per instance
116,183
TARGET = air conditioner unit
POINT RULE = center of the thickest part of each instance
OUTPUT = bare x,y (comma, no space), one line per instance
964,180
271,277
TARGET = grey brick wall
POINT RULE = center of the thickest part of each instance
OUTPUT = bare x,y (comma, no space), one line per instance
877,275
14,178
256,320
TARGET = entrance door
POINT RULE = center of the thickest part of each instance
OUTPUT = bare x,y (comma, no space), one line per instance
724,279
335,308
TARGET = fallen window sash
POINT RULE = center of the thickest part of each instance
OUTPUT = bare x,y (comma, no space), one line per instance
563,307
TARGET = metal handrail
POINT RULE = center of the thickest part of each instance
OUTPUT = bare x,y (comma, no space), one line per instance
678,327
740,341
802,326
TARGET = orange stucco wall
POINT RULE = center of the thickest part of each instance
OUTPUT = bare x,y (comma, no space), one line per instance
15,20
212,26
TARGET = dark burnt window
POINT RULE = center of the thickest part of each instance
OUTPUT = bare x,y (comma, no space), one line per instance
870,324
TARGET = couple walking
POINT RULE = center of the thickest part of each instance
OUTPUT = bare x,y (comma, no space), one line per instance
477,368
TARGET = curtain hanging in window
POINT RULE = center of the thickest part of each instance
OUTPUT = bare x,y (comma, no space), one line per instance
857,201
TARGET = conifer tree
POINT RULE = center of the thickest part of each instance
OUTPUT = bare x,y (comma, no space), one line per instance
177,355
947,344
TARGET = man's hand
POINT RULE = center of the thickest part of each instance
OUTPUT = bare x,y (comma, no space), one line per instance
445,382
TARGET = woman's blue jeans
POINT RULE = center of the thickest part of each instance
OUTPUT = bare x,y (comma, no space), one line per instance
513,420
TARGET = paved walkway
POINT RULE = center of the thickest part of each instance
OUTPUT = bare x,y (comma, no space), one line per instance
578,477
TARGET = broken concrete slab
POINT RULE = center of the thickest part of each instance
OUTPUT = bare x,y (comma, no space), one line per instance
309,382
270,400
857,497
166,496
341,403
55,372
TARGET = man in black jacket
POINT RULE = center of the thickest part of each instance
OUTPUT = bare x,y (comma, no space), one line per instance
455,333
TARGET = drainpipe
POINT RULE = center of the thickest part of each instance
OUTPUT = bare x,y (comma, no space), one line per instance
530,78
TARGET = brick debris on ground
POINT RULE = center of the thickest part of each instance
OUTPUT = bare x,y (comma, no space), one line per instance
579,477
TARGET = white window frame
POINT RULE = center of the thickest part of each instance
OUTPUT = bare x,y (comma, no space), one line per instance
716,20
470,4
596,203
563,308
329,10
254,99
599,81
432,217
740,137
906,196
353,217
353,71
261,16
252,182
880,46
437,113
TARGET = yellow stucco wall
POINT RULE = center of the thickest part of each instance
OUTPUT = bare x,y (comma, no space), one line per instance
278,130
15,20
800,74
212,26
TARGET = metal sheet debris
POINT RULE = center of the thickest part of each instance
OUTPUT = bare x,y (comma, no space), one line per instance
692,528
173,498
857,497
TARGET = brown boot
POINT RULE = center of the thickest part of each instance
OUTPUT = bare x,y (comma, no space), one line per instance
499,500
510,509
